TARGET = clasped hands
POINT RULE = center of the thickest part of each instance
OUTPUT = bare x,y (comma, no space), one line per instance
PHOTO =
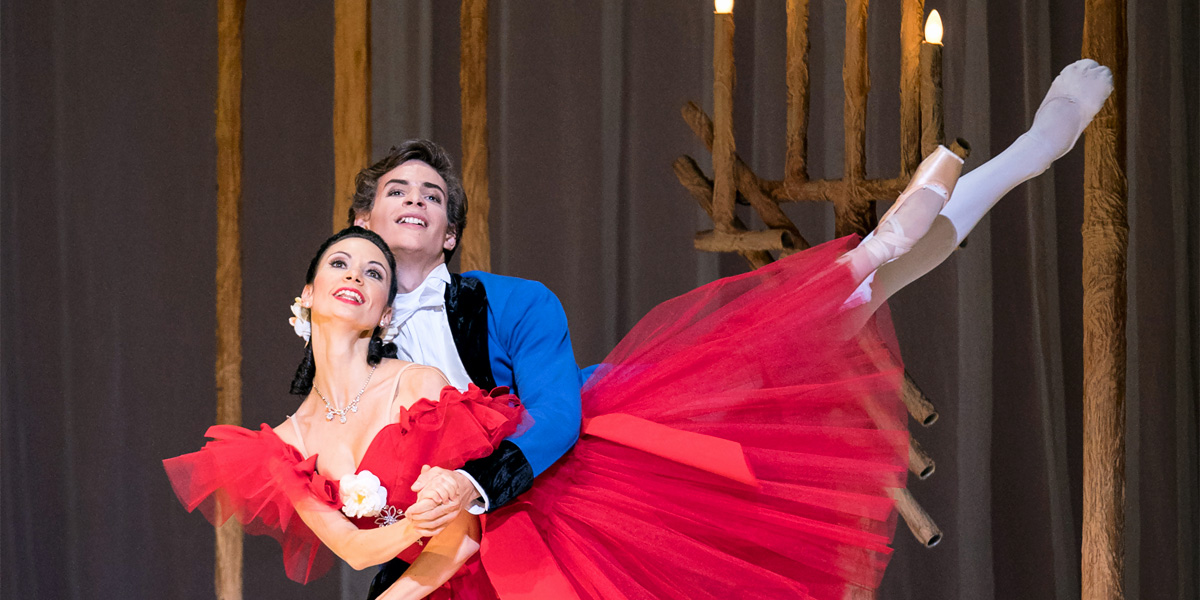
441,495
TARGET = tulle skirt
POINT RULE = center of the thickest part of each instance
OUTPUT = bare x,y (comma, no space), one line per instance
740,442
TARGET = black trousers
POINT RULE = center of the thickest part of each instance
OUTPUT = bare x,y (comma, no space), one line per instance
388,573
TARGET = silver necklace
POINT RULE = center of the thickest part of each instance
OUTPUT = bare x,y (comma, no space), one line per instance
352,407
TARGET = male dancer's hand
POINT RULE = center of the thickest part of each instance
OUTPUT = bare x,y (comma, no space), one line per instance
441,495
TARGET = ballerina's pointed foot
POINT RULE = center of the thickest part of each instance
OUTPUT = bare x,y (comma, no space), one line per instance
1073,100
913,213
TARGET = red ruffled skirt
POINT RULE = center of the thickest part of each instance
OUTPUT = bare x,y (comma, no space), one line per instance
738,443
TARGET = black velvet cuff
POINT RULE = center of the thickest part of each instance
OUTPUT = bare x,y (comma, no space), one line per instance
504,474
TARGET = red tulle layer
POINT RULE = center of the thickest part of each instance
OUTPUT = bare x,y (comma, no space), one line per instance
256,477
652,503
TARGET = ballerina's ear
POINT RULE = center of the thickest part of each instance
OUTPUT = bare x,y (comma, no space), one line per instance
306,296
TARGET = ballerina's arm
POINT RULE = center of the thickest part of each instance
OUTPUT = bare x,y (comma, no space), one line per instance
360,548
442,557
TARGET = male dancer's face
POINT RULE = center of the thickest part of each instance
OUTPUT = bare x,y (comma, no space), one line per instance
410,214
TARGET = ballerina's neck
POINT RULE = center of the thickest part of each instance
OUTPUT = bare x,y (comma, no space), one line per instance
340,358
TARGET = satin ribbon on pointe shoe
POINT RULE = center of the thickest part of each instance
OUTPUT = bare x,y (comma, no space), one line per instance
938,173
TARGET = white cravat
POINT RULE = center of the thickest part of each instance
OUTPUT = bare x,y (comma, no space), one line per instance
421,329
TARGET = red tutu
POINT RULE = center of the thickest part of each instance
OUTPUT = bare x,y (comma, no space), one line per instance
737,443
652,503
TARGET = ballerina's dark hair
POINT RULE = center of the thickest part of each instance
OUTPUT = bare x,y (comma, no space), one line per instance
377,350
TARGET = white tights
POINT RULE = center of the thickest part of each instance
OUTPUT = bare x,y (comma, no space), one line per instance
1074,98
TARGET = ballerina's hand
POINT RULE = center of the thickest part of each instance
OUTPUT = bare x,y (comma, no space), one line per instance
441,495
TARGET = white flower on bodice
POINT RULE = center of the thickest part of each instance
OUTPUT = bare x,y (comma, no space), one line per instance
362,495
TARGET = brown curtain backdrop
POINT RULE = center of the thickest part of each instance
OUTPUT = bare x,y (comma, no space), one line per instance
108,233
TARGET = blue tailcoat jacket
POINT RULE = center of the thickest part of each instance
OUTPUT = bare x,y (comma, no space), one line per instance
513,332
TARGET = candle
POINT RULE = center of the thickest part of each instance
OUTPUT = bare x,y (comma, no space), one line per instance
932,127
933,28
724,185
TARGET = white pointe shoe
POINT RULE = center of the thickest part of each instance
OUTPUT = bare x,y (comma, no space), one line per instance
938,174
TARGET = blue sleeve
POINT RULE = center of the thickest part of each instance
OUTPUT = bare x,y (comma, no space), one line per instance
545,375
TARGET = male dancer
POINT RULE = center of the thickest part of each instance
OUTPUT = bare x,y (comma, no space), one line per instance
476,327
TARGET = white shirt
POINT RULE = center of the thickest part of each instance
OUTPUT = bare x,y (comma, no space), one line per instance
420,329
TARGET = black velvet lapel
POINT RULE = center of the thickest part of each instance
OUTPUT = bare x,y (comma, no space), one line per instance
466,309
505,473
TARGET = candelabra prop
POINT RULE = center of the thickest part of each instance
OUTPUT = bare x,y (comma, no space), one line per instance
853,195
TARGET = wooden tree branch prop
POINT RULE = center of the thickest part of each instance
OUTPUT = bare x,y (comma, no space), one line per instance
351,100
796,168
932,126
770,239
230,17
748,184
1105,245
919,463
852,212
692,178
724,184
919,407
910,90
766,195
853,195
472,77
922,527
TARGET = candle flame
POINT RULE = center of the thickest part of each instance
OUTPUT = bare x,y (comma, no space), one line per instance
933,28
723,7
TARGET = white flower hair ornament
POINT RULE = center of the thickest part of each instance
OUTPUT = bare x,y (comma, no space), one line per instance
362,495
301,321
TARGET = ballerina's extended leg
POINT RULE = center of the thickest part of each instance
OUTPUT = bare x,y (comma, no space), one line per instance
1073,99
